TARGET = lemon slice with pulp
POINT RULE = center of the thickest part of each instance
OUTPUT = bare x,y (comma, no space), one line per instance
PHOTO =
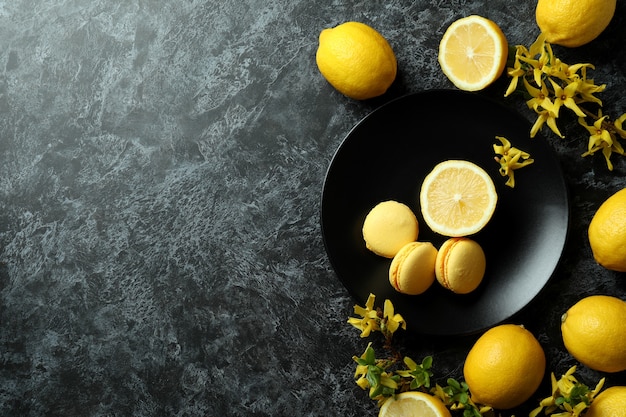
473,52
413,404
457,198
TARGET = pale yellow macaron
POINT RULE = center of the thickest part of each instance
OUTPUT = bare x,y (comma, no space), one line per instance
388,227
460,265
412,270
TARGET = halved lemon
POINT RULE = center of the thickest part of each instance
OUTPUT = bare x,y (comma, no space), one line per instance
473,52
457,198
413,404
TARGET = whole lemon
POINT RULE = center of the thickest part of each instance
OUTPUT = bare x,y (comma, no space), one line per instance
573,23
594,330
504,367
609,403
356,60
607,232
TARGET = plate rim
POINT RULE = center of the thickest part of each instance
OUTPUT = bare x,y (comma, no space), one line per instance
479,97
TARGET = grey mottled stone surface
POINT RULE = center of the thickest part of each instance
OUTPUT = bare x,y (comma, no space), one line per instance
161,165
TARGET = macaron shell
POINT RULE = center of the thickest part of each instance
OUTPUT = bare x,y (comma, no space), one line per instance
460,265
388,227
412,270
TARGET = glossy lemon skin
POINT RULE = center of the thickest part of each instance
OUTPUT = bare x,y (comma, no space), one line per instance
607,233
573,23
504,367
609,403
594,330
357,60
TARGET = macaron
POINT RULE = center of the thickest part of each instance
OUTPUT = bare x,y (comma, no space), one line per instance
460,265
412,270
388,227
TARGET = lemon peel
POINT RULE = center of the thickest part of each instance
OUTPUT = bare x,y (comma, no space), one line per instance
593,332
573,23
607,232
504,367
356,60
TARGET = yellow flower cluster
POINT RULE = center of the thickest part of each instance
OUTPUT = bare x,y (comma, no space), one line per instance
569,397
603,137
456,396
372,319
362,374
510,158
552,85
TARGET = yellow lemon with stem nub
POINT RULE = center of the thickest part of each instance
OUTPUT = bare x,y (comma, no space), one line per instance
357,60
594,330
504,367
607,232
609,403
573,23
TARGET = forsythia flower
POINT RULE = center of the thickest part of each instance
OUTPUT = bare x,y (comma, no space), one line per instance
360,374
391,321
566,97
515,73
568,395
510,159
602,138
369,320
540,98
548,117
552,85
372,373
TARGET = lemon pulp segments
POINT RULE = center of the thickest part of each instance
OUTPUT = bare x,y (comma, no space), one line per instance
457,198
473,52
413,404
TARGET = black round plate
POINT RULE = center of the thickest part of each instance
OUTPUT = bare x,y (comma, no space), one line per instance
386,157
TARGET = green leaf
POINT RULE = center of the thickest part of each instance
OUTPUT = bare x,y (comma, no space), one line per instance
410,363
373,375
454,384
370,356
463,398
427,362
361,361
388,391
376,391
579,394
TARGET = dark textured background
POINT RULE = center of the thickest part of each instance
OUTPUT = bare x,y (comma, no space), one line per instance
161,168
